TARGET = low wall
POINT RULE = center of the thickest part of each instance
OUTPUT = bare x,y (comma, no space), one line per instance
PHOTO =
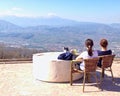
46,67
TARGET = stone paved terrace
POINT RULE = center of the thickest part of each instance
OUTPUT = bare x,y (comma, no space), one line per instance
17,80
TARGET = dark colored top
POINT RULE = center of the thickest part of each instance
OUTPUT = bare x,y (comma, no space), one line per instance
108,52
101,53
66,56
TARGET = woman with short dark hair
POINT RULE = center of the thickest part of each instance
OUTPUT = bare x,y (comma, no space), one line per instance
104,50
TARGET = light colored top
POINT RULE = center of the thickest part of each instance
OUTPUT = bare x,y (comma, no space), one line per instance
84,55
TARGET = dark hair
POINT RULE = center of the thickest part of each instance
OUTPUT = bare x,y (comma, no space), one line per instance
89,44
104,43
66,48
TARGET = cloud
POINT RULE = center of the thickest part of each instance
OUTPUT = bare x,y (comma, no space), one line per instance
20,12
12,11
51,14
16,9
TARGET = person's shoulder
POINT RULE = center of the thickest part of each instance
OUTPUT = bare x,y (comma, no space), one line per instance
99,51
109,51
83,53
95,52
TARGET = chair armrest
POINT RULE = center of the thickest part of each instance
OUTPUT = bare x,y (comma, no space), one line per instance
76,61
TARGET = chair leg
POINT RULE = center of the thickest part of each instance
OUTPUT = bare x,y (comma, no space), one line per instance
102,76
101,79
71,78
84,81
102,72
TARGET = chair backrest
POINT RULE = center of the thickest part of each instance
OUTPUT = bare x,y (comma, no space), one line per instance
107,60
91,64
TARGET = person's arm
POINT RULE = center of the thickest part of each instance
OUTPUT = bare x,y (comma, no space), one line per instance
79,58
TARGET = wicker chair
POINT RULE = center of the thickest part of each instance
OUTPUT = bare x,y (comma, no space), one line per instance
106,62
90,67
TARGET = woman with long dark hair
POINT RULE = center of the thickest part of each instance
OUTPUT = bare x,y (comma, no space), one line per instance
89,53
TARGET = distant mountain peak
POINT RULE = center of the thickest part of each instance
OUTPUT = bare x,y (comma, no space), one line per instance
51,20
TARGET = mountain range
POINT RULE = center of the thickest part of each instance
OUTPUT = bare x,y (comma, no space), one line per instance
52,33
35,21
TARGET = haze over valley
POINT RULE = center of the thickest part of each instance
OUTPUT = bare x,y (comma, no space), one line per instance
51,34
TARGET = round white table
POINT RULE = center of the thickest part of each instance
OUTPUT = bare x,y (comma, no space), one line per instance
47,67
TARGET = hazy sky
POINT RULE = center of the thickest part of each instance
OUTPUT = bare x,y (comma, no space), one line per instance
104,11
